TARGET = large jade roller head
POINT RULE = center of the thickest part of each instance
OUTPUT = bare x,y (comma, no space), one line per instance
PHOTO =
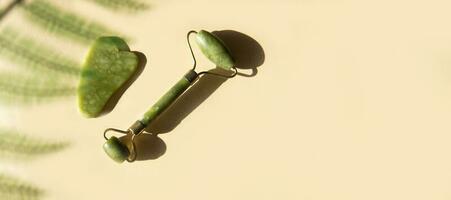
215,50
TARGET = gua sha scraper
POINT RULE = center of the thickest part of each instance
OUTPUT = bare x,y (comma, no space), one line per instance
215,50
108,66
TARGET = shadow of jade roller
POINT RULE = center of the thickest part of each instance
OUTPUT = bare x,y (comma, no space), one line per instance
108,66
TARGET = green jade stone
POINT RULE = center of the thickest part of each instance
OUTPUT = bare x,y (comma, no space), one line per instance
214,49
108,65
116,150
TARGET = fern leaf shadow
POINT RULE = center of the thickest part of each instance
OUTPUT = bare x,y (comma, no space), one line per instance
129,6
18,146
15,188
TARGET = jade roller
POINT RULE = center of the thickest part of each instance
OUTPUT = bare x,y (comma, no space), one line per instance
215,50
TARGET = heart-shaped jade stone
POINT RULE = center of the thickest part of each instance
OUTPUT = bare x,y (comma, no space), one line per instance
108,65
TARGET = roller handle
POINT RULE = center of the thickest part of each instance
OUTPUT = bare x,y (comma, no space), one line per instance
167,99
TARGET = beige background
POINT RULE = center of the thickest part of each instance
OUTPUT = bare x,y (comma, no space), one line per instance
352,102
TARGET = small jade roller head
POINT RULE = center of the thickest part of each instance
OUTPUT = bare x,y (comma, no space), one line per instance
214,49
122,150
116,150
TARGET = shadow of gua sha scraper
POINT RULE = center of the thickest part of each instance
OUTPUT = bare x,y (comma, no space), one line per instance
108,70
